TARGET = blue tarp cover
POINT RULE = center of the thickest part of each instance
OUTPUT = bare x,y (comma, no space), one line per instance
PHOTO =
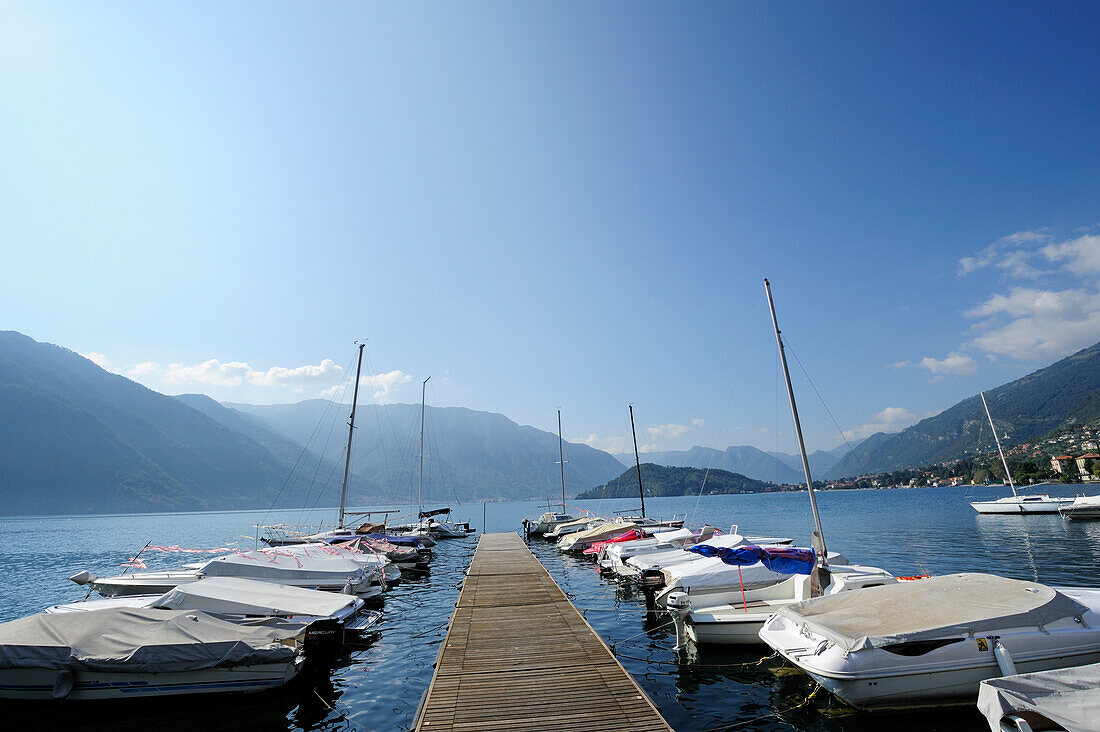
784,560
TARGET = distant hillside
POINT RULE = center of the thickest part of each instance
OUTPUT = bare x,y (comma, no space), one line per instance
744,459
1060,395
470,454
77,439
659,480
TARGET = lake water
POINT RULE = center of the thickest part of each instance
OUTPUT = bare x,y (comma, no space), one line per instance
379,686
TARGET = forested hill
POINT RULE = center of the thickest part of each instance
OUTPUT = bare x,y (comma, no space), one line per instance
660,480
1063,394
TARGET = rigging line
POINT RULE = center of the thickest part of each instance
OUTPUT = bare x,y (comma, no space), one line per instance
787,342
292,473
378,424
725,414
777,714
338,396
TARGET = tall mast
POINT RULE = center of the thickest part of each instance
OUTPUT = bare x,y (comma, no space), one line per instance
637,462
818,534
561,460
998,439
420,485
351,431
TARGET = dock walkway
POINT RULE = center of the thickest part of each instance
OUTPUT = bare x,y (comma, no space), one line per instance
518,655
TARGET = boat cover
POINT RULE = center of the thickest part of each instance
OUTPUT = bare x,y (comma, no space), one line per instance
658,560
596,533
665,537
933,608
233,595
138,640
1069,697
785,560
281,564
714,574
632,535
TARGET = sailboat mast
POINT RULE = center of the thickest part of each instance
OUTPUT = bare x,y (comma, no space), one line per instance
420,485
797,427
637,462
351,431
1002,452
561,460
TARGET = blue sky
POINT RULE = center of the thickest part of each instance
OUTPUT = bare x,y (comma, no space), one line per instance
551,205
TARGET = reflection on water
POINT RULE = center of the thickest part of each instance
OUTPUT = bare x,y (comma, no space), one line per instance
378,686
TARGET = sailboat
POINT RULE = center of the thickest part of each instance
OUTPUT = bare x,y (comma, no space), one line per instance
766,578
1015,503
550,520
426,525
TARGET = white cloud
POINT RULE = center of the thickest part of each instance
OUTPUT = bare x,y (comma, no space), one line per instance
212,372
1081,255
99,360
953,363
1013,254
297,377
891,419
667,431
145,368
615,445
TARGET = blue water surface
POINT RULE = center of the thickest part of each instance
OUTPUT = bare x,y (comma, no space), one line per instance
379,685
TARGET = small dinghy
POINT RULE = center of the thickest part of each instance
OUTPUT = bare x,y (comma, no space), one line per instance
933,641
129,653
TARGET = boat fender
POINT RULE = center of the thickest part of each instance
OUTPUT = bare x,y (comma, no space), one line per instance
348,590
83,578
1004,659
63,684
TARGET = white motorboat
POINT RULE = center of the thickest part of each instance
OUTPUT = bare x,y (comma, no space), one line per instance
1015,504
1082,507
658,557
334,574
571,527
1065,699
709,581
736,617
358,551
933,641
130,653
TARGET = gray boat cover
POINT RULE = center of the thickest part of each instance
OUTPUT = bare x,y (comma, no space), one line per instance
235,596
1069,697
938,607
139,640
278,565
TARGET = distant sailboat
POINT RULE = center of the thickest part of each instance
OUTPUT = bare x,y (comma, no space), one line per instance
550,520
1015,503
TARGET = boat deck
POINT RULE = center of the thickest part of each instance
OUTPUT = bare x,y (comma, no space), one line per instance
518,655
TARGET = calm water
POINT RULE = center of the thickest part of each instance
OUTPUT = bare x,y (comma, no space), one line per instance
379,686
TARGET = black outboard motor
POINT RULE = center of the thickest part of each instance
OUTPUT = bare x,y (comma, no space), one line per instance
651,580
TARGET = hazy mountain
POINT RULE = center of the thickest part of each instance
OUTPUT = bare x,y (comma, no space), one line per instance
662,480
743,459
75,438
1060,395
469,454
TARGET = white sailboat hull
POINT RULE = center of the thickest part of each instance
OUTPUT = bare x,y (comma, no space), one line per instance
1021,505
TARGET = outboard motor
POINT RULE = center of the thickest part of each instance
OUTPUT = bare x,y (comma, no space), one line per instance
652,580
679,607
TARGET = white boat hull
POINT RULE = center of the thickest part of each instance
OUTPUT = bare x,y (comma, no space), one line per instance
32,684
1026,504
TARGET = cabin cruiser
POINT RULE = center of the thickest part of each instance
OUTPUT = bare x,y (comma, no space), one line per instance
334,574
1082,507
933,641
132,653
545,523
327,615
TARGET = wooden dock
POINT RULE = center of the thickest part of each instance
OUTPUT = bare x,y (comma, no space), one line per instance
518,656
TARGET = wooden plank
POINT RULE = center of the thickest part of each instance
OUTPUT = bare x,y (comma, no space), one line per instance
519,655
